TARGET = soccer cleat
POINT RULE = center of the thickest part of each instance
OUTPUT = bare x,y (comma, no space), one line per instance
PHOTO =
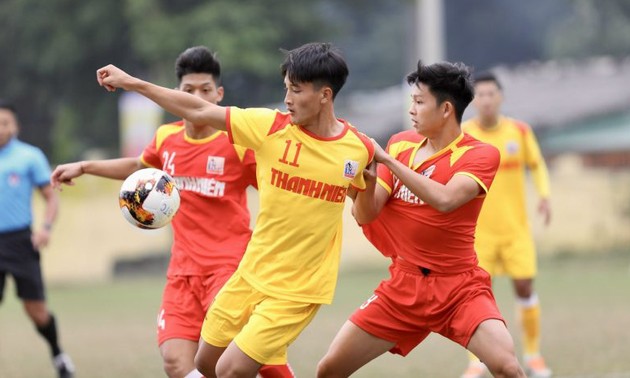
535,367
64,365
475,369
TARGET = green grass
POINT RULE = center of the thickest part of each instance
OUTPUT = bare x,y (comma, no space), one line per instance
109,329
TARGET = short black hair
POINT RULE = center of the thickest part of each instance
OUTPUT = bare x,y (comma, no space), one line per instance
318,63
447,82
486,76
198,59
5,104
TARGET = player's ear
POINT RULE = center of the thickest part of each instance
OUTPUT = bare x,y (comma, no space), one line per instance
326,95
220,93
447,109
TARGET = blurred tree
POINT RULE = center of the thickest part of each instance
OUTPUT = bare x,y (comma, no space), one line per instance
50,51
55,47
592,27
247,37
486,33
375,37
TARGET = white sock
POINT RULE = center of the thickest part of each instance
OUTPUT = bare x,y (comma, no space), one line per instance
194,374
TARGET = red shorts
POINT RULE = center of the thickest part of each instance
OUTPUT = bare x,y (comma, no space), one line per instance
407,307
185,302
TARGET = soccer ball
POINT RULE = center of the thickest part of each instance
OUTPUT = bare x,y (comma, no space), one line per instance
149,198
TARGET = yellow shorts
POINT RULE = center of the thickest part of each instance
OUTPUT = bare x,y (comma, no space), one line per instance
514,257
262,327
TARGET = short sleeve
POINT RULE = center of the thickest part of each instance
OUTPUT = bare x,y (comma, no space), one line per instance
248,159
385,176
40,169
480,162
150,156
358,182
249,127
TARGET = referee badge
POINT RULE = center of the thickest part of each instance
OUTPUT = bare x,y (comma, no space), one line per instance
14,179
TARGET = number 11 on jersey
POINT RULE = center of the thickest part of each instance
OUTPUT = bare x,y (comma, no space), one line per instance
293,162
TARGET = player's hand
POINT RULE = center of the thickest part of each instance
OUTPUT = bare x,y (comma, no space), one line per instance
64,174
379,154
544,208
369,173
111,77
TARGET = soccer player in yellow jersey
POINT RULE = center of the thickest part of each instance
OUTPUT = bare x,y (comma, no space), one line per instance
503,238
307,159
203,256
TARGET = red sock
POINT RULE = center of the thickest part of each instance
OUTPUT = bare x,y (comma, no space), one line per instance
276,371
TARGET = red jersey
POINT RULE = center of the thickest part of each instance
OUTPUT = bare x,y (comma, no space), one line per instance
211,229
421,235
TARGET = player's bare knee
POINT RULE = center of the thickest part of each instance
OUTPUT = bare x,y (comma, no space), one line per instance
508,368
325,368
321,368
174,365
204,367
228,369
512,369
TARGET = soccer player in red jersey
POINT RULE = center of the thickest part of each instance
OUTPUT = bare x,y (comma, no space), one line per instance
212,176
421,211
307,159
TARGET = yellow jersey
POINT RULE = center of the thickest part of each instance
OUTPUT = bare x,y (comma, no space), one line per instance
504,212
303,180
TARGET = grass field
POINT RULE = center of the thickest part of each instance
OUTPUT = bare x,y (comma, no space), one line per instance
109,328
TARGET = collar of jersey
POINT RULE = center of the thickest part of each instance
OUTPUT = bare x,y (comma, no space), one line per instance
9,144
449,147
343,132
493,128
207,139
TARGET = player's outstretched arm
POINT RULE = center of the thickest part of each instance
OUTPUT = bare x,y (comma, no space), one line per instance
118,169
368,203
444,198
182,104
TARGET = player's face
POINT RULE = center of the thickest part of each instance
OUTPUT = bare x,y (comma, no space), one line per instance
203,86
303,102
8,126
426,115
488,99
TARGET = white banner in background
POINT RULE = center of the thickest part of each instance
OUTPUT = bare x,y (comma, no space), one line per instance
139,118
